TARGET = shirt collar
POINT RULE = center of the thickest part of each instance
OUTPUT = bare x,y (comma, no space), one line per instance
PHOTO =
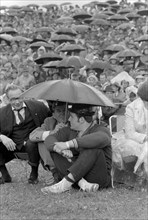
24,106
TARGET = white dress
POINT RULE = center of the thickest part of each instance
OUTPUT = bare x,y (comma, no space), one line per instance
131,140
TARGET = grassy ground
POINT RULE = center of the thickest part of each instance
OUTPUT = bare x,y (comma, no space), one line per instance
20,201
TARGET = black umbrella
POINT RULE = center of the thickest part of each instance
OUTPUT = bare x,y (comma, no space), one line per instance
41,43
143,12
66,31
142,38
51,56
133,16
44,29
72,47
62,38
8,30
81,15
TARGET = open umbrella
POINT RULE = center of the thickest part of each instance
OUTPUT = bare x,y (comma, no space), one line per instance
52,64
143,12
142,38
100,15
115,48
99,64
81,28
21,38
66,31
44,29
117,17
100,22
46,57
41,43
70,91
112,2
75,61
124,11
8,30
139,4
6,37
72,47
129,53
133,16
63,38
102,4
82,15
64,19
124,26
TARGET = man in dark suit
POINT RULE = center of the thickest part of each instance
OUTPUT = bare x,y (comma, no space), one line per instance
17,120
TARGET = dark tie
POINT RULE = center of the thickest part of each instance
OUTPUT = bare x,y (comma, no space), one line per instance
20,116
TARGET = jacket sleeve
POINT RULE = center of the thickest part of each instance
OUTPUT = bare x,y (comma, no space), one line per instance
48,125
98,139
130,130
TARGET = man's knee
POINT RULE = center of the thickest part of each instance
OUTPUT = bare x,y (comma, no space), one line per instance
31,146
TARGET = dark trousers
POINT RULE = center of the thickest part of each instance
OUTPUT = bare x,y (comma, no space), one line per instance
30,148
90,164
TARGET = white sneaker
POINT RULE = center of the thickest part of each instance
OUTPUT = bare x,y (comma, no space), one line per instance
88,187
60,187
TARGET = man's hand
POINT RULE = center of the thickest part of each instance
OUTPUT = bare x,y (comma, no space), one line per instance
68,154
8,142
60,146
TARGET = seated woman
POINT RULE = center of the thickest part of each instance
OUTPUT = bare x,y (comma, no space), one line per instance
50,126
81,153
133,140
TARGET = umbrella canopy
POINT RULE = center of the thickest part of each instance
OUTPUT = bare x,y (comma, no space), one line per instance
100,22
125,26
142,38
115,48
63,38
8,30
66,31
44,29
81,15
117,17
102,4
133,16
52,64
6,37
124,11
112,2
143,12
69,91
129,53
101,15
74,61
26,9
81,28
46,57
41,43
72,47
99,64
21,38
63,20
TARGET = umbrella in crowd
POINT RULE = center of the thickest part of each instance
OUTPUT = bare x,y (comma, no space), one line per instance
68,91
72,47
8,30
82,15
44,29
51,56
129,53
75,61
63,38
41,43
115,48
66,31
142,38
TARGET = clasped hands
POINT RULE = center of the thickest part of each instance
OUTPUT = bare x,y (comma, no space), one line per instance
61,148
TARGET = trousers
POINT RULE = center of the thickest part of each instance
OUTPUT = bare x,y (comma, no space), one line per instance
30,148
89,164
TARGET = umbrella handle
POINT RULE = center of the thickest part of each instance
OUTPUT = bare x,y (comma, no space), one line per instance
66,113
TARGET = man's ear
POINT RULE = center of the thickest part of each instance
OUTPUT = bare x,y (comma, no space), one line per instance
81,120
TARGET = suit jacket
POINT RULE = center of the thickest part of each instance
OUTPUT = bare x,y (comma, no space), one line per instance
37,109
48,125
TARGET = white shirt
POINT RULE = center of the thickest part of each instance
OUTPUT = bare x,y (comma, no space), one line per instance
22,112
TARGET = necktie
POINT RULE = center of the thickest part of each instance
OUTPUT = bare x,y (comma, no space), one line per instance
20,116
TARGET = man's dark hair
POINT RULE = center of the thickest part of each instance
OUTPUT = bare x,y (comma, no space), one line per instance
83,110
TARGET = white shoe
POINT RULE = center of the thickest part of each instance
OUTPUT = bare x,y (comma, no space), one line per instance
60,187
88,187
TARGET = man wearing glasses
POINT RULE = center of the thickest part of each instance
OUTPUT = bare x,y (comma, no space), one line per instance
17,120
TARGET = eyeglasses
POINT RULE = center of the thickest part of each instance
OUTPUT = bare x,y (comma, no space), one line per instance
14,99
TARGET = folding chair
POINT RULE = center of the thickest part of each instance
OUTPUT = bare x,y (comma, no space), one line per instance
116,124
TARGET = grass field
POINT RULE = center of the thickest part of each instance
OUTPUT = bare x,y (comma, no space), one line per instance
21,201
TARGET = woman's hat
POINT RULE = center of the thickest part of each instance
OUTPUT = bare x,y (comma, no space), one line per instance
143,91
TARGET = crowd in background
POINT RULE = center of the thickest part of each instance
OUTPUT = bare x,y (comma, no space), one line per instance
102,44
